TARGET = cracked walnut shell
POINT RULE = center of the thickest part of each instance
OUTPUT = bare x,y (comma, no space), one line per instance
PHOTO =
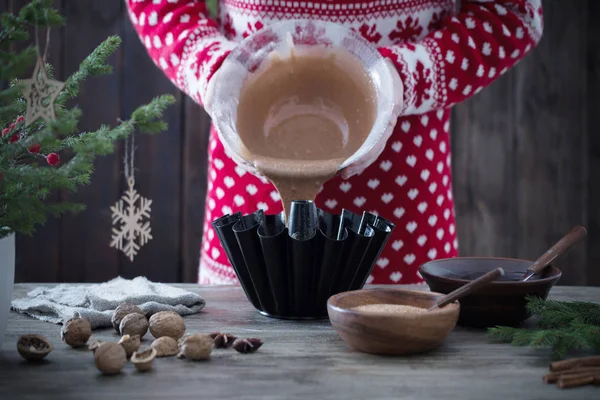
131,344
33,347
110,358
167,323
223,340
134,324
143,359
196,347
121,312
76,332
165,346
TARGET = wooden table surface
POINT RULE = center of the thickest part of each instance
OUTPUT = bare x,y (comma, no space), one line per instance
299,360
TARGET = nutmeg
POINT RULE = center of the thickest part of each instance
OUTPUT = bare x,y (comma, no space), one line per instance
165,346
131,344
33,347
76,332
196,347
110,358
167,323
134,324
123,310
143,359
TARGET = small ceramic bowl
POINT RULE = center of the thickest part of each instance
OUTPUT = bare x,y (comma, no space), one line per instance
391,333
502,302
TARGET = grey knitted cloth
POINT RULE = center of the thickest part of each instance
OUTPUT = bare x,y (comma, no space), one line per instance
96,302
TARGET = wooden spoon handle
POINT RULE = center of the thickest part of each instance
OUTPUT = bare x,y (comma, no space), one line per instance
468,288
562,246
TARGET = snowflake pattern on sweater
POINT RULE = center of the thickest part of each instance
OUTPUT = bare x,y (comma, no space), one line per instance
443,56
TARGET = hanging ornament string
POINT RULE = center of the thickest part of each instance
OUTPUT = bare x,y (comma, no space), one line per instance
130,214
47,44
128,161
37,39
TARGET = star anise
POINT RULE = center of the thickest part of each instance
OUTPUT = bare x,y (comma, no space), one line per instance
223,340
249,345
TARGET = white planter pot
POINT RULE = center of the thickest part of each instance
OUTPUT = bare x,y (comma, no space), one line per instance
7,280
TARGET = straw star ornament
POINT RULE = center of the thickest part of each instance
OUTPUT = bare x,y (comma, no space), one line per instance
40,92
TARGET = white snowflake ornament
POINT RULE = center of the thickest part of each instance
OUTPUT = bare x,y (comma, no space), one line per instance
130,212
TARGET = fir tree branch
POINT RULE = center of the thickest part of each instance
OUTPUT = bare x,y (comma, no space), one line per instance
26,180
562,326
57,209
146,117
554,313
40,13
93,65
14,64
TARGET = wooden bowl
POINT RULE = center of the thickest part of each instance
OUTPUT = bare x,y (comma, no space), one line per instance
502,302
391,334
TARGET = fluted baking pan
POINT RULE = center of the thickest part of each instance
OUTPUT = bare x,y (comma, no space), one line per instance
290,272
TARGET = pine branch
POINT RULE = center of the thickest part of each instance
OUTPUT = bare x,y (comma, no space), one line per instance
146,117
93,65
26,179
212,7
41,14
557,313
505,334
14,64
562,326
61,208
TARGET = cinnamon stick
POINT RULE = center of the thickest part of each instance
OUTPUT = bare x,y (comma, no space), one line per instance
593,361
553,377
567,382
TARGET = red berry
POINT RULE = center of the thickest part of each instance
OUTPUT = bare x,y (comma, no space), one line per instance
13,138
5,131
11,127
20,119
35,148
52,158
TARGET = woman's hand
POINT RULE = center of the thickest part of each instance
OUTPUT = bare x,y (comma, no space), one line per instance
360,165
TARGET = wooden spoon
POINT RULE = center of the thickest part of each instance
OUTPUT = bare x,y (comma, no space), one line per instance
562,246
468,288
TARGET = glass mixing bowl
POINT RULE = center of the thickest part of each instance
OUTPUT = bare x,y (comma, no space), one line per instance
281,37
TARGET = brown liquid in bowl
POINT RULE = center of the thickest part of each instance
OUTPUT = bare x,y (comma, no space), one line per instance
302,116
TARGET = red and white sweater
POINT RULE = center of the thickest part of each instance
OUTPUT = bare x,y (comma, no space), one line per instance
443,57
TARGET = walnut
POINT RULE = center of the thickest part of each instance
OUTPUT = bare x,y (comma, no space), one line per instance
94,345
143,359
223,340
131,344
110,358
249,345
167,323
134,324
123,310
165,346
76,332
33,347
196,347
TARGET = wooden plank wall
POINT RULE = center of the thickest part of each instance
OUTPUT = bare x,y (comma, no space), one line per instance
526,156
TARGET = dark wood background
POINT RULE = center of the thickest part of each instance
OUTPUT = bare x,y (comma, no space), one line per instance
526,156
